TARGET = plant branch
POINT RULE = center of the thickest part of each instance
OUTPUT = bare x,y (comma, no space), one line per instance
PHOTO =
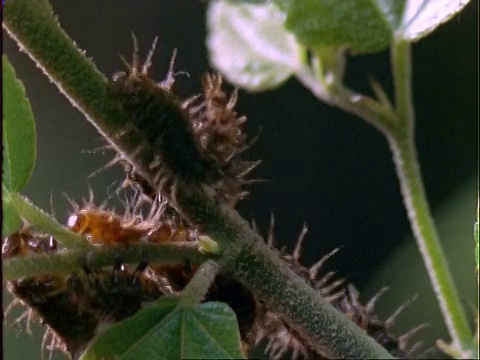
330,333
33,26
198,286
405,158
71,261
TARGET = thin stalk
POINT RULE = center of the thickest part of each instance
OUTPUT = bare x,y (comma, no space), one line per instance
71,261
198,286
407,166
324,78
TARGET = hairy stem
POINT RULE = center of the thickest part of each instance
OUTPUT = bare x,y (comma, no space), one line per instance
330,333
33,26
405,158
71,261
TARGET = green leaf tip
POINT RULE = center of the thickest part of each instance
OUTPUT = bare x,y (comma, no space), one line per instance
11,221
19,135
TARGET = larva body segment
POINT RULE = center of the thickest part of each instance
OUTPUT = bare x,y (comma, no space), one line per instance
158,115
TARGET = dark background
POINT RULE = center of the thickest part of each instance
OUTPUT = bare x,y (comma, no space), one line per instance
325,167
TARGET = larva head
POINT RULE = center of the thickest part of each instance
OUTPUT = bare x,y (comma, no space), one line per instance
78,222
96,225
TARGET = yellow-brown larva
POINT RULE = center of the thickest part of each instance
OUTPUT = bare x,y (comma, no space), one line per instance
107,228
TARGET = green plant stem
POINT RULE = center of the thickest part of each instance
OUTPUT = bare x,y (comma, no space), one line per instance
330,333
198,286
398,127
405,158
70,261
33,26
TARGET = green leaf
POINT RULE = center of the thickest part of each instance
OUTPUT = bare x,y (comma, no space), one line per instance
11,221
422,17
362,26
167,330
249,45
19,137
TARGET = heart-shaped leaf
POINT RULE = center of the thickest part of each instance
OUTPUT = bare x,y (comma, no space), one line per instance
248,43
169,330
19,136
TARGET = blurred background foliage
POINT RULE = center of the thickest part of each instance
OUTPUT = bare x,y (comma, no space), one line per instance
325,167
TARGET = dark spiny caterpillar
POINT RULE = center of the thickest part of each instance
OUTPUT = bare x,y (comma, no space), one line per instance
48,298
196,140
283,341
159,116
73,306
219,130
